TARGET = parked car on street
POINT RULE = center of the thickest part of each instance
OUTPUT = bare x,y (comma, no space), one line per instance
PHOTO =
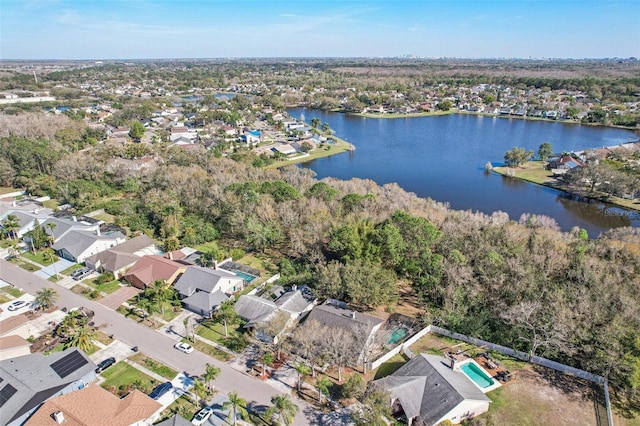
160,390
104,364
202,416
183,347
18,304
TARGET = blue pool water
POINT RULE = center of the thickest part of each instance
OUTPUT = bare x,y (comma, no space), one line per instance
477,375
397,335
247,277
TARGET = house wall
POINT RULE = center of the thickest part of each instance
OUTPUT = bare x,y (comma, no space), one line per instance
467,409
98,247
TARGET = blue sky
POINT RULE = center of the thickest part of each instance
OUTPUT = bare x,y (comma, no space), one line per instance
130,29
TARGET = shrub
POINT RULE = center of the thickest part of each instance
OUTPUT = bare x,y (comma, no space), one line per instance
354,386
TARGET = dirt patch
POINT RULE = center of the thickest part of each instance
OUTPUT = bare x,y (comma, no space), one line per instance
536,398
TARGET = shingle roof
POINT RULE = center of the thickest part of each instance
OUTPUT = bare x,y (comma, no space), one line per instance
36,381
428,389
123,254
293,301
93,405
254,309
149,269
197,278
10,342
206,301
9,324
175,421
333,316
77,242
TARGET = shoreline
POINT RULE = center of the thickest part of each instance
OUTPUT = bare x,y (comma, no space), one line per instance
537,178
339,147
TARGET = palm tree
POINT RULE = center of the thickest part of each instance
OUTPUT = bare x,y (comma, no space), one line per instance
226,314
81,339
10,224
50,256
303,370
199,389
210,374
322,384
235,405
46,297
315,122
51,226
283,408
325,128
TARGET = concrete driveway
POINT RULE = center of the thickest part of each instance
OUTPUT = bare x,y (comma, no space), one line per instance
57,267
118,297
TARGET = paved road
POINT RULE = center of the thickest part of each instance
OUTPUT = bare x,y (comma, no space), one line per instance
154,344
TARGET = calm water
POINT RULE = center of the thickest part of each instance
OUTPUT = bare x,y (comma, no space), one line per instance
443,158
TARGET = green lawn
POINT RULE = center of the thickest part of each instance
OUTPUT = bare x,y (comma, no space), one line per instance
122,374
25,265
214,331
40,257
51,204
4,299
338,147
210,350
154,366
183,406
108,287
207,247
5,243
103,338
390,366
13,291
108,218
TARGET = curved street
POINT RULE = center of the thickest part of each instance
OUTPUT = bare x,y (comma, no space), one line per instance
160,347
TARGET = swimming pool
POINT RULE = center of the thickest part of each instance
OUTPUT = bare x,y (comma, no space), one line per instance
475,373
247,277
397,335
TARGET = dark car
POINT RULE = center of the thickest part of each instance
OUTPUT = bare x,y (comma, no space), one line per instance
160,390
103,365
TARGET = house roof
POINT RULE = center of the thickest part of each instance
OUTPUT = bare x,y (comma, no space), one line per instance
64,225
123,254
197,278
205,301
35,378
428,389
11,342
93,405
295,301
7,325
149,269
254,309
77,242
175,421
333,316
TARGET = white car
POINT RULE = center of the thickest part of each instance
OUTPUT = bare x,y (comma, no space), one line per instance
202,416
183,347
18,304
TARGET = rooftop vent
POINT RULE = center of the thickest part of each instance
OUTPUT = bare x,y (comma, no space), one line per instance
58,416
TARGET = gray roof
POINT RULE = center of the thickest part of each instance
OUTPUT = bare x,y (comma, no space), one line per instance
123,254
295,301
204,301
35,380
428,389
333,316
254,309
77,242
197,278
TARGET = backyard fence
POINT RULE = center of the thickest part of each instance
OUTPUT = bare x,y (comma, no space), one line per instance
404,347
534,360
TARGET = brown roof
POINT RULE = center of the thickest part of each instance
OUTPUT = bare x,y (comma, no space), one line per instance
10,342
122,255
152,268
94,406
11,323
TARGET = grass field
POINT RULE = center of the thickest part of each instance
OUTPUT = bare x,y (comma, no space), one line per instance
122,375
108,287
13,291
338,147
155,366
40,257
70,269
210,350
25,265
215,332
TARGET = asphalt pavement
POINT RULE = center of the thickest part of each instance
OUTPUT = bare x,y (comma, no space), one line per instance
157,345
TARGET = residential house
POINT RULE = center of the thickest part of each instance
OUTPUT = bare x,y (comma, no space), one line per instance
17,325
14,346
117,259
426,391
149,269
285,149
76,246
202,290
59,227
94,406
335,314
258,311
560,165
27,219
30,380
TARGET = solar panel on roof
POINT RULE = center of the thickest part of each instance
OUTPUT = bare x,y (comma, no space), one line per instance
6,393
68,364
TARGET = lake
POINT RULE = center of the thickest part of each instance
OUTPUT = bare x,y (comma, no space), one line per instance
443,158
